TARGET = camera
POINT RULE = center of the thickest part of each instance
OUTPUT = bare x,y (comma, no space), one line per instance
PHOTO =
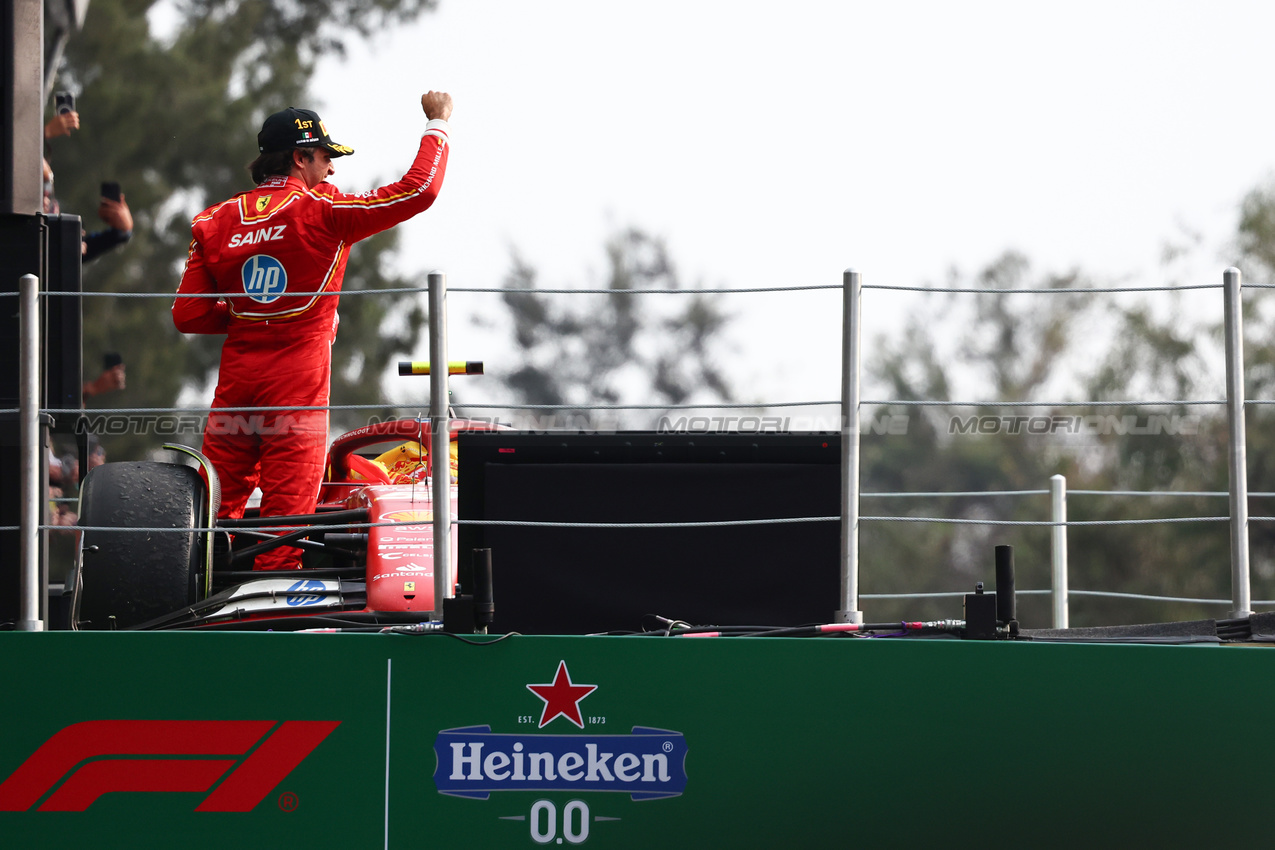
65,102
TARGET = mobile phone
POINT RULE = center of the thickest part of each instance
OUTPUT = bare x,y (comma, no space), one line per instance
111,359
111,190
65,102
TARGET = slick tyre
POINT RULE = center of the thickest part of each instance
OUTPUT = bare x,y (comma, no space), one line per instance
126,578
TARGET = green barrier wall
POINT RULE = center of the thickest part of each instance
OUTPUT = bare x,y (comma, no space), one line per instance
152,740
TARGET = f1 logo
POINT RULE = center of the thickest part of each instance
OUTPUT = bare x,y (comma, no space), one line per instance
102,756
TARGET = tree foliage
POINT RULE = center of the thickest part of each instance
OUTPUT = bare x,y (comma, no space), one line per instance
173,116
619,346
1056,352
1055,373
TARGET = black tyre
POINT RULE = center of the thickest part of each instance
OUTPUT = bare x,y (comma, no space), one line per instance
129,577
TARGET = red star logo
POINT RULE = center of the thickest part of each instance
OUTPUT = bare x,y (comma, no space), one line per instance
562,696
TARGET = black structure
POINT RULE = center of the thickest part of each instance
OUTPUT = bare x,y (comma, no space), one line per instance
48,247
548,580
21,105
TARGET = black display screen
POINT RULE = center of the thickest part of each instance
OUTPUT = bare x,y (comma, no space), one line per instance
555,580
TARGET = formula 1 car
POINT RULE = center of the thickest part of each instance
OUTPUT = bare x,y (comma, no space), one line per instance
367,551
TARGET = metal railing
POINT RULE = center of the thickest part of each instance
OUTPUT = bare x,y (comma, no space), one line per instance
851,404
1238,519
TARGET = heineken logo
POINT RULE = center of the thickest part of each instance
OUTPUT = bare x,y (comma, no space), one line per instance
647,763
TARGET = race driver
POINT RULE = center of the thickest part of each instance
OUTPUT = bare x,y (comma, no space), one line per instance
269,251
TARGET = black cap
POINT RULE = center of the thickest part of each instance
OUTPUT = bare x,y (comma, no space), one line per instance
297,128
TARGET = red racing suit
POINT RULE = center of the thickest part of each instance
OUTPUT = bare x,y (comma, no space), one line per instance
256,249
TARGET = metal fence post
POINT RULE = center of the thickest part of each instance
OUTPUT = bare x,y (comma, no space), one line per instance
1241,599
1058,549
850,396
440,441
30,501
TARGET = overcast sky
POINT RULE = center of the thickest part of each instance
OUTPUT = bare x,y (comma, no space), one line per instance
778,144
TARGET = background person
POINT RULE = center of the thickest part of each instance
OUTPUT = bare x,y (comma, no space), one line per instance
119,228
61,124
114,212
111,378
291,234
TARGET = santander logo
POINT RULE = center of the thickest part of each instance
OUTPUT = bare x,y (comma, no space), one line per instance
243,759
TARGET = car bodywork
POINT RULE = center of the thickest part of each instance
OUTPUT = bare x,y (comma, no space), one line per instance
154,555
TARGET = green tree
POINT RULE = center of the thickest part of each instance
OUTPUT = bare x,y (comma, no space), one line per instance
1256,259
1045,348
1008,349
173,118
615,347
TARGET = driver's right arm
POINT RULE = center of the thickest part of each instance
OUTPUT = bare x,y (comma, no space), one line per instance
199,315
